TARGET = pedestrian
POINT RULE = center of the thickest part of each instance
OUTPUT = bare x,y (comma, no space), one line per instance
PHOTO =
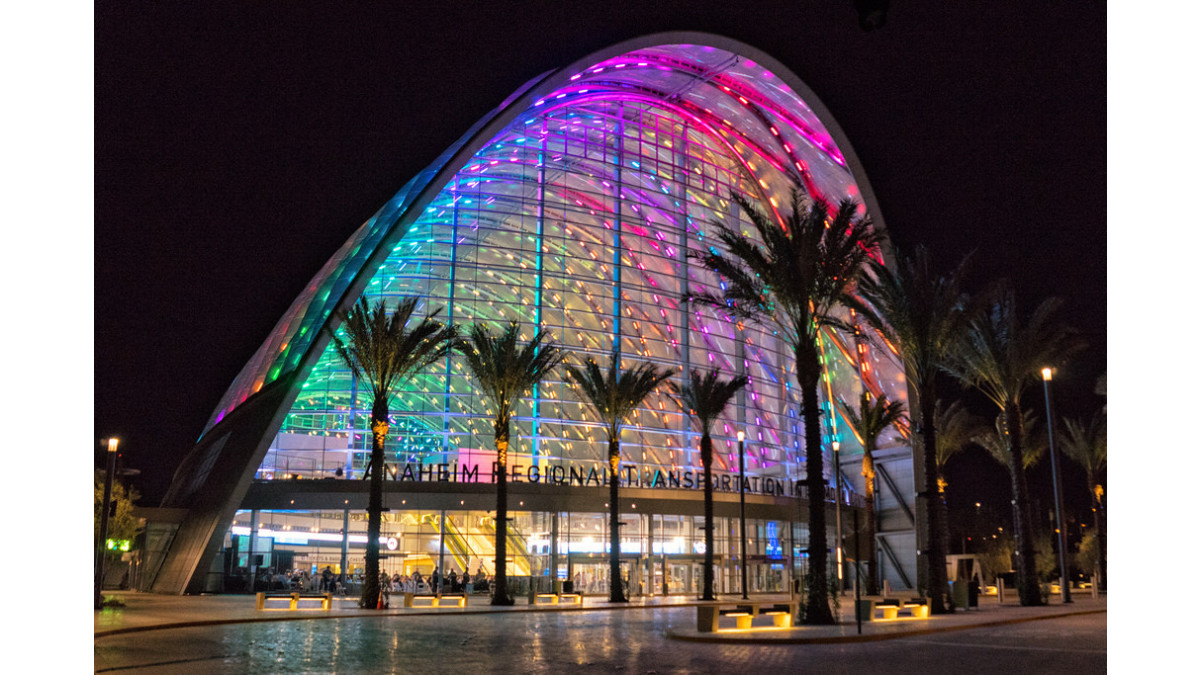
383,589
454,581
437,580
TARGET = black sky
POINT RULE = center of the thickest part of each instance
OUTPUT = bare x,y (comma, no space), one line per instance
237,146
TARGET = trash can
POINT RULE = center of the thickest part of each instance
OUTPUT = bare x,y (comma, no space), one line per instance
568,586
958,593
864,610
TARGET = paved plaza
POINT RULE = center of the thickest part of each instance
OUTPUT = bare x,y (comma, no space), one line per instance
225,634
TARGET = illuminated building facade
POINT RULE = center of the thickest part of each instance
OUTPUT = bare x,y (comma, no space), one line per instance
573,207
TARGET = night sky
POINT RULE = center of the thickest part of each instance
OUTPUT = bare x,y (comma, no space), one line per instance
236,147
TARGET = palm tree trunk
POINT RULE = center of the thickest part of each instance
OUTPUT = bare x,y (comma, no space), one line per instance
943,540
615,592
808,375
869,482
500,579
1028,587
936,556
379,429
706,460
1098,523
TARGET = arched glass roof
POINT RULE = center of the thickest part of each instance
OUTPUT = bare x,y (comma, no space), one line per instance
572,206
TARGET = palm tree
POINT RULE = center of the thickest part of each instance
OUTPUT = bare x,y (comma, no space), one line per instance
956,428
804,269
869,421
705,396
921,313
1087,444
995,441
505,370
613,396
381,351
1001,356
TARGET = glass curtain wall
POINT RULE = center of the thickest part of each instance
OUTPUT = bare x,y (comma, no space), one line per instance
578,220
660,554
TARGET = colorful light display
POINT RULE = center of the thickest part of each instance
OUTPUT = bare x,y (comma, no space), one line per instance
573,207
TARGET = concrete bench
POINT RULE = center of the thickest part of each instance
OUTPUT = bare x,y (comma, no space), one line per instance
452,600
558,599
744,613
742,618
435,601
292,600
782,618
891,608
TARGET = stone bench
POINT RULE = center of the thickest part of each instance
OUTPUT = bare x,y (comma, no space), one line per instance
435,601
744,613
891,608
293,600
558,599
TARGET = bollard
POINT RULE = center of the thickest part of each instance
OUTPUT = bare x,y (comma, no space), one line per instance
999,591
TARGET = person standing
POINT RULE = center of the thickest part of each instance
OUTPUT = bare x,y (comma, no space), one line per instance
436,580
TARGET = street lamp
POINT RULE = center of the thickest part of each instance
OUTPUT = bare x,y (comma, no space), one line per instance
742,500
837,509
104,507
1064,579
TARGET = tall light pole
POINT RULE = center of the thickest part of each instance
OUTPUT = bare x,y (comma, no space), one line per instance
104,507
742,501
837,509
1064,579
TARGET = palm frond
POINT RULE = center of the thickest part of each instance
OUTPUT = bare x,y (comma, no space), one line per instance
706,395
1001,355
957,428
793,273
614,394
997,443
505,369
916,309
1087,443
381,350
872,417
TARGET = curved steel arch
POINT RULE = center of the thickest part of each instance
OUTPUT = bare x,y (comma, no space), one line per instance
215,476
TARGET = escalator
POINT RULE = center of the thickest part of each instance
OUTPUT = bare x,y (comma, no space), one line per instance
466,546
518,552
460,547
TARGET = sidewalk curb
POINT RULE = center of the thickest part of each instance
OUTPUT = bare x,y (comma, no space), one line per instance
693,636
380,614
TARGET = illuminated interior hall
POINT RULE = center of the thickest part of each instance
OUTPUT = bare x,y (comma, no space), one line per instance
572,206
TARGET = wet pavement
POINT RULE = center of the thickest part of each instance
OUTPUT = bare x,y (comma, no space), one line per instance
226,634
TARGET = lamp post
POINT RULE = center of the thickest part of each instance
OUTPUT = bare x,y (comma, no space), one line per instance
104,507
1064,578
742,501
837,510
